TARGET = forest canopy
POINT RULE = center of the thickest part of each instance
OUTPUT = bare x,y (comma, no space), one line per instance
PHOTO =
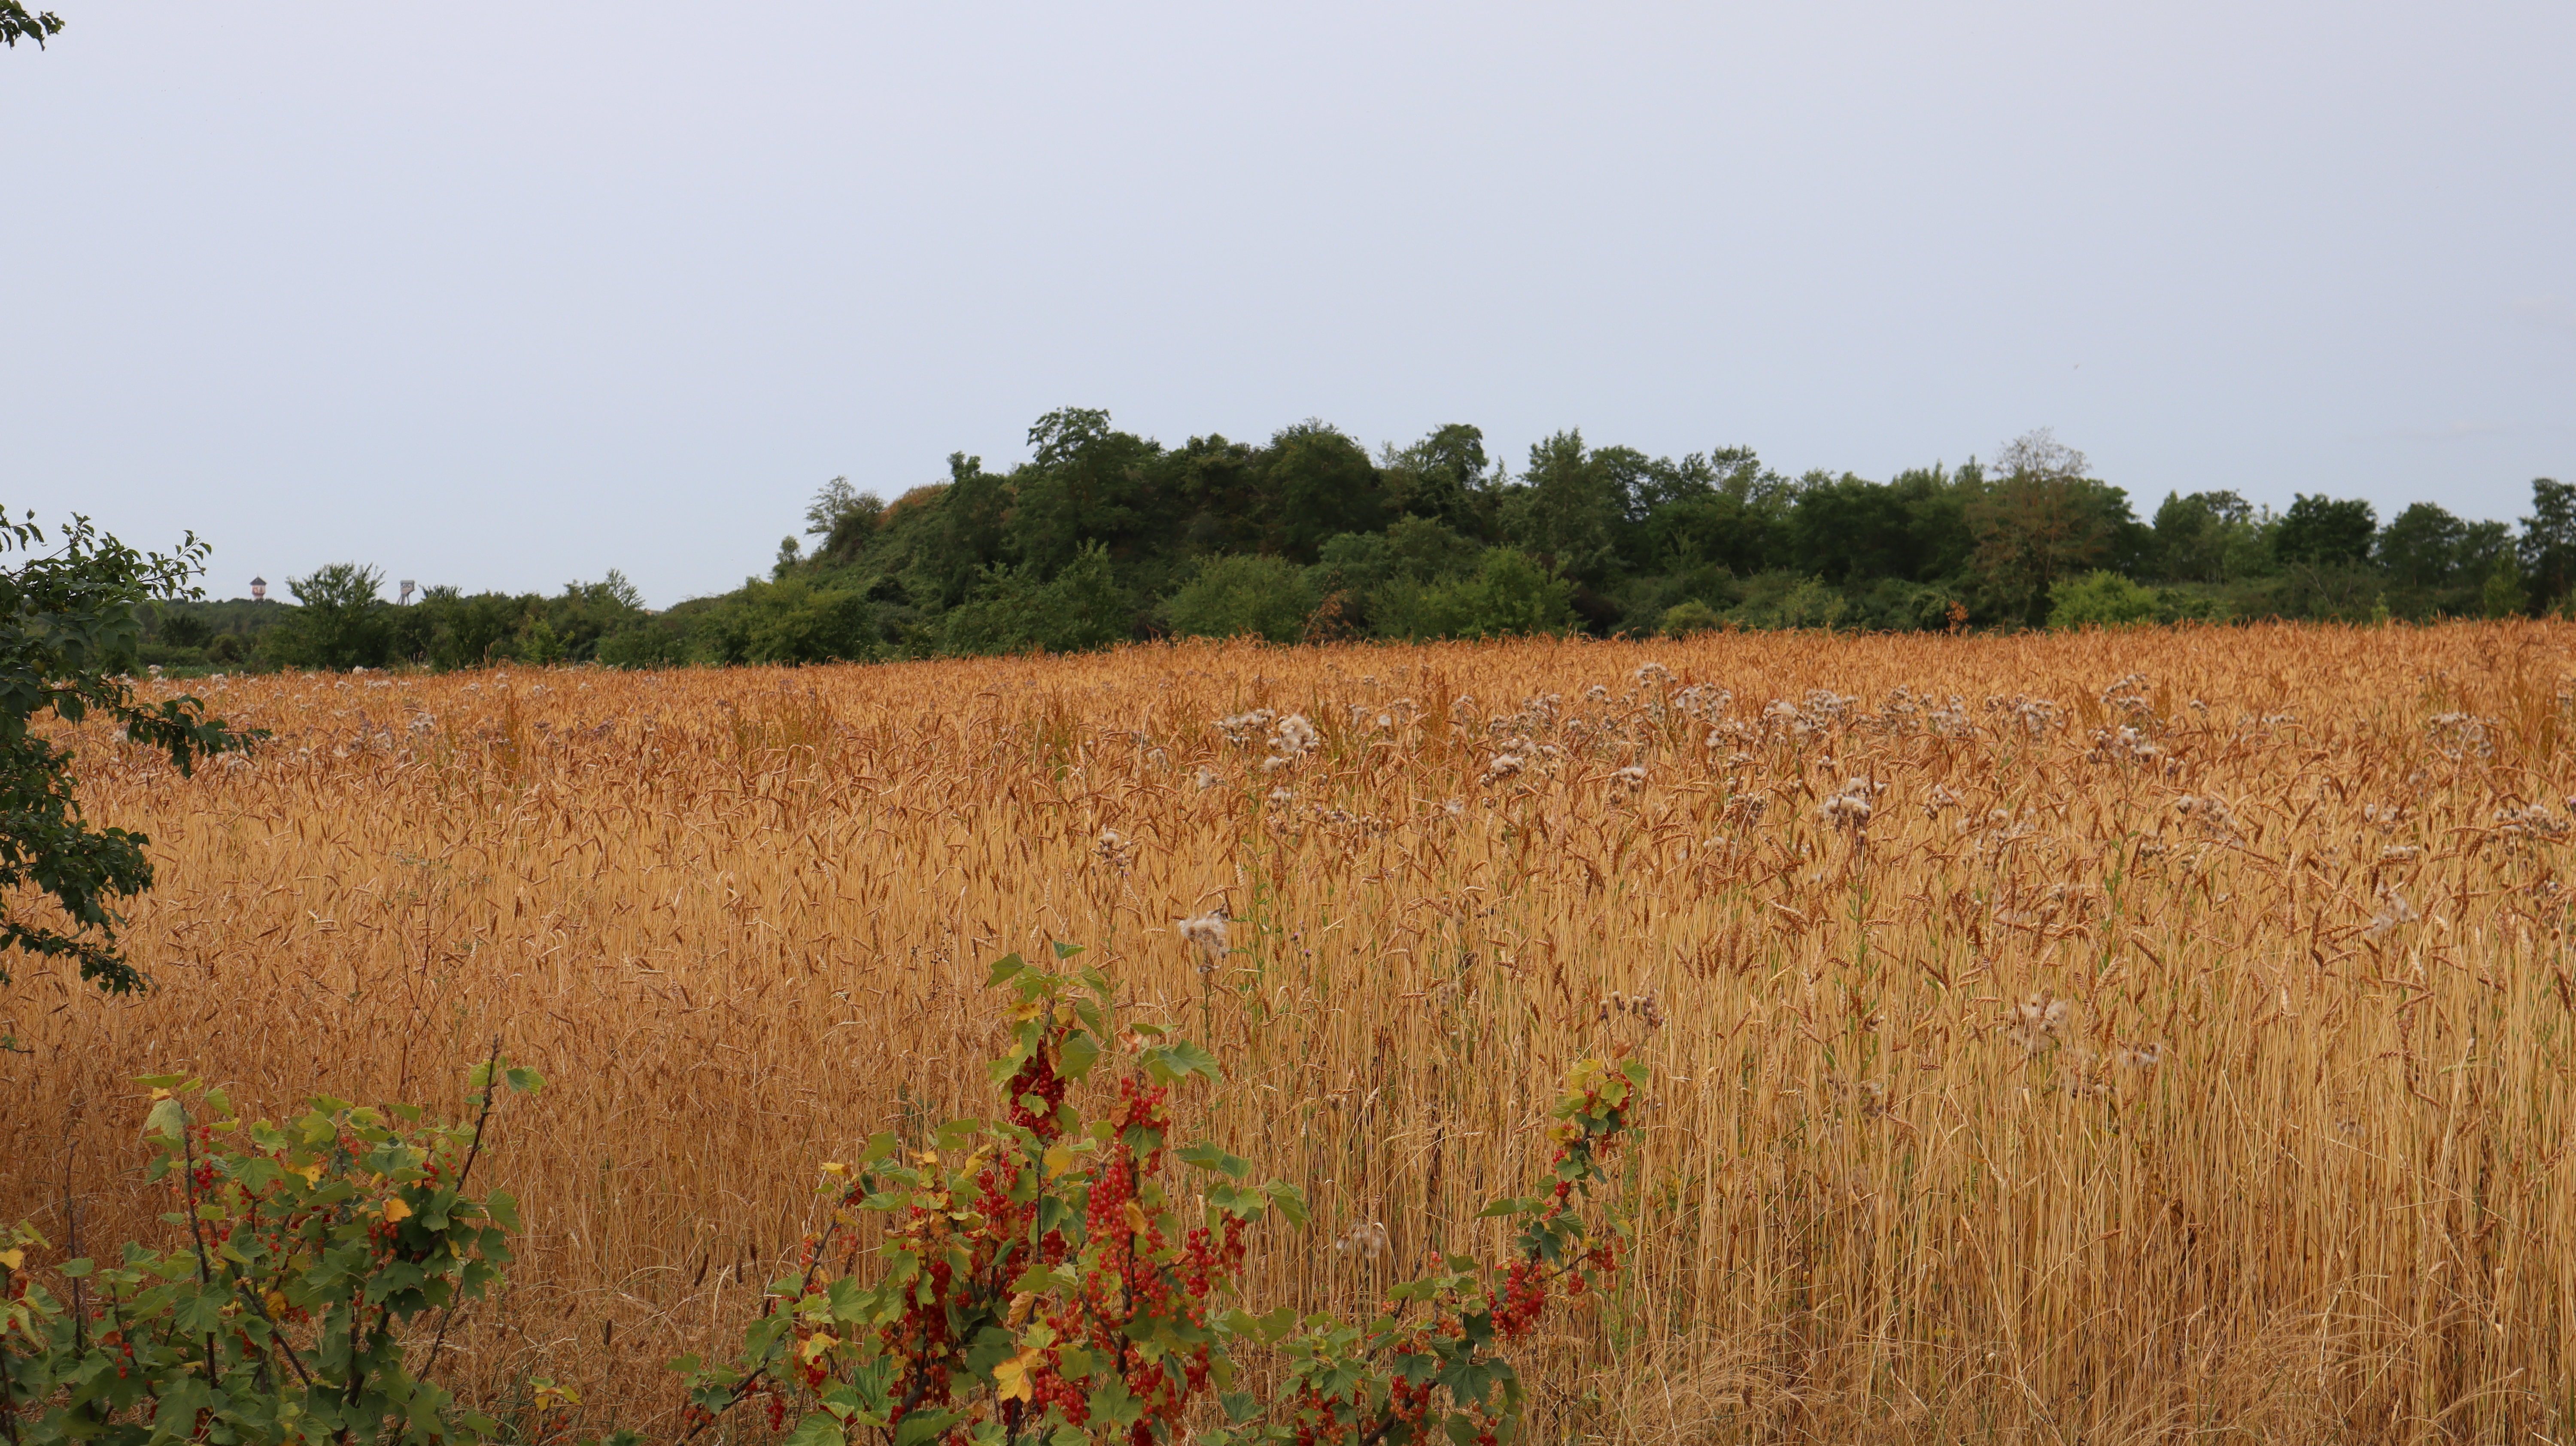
1103,536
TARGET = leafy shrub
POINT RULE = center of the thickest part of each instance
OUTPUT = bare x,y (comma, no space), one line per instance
1685,618
1895,605
185,630
1232,595
2101,598
1011,611
340,623
1510,594
655,642
793,621
278,1320
1787,600
1041,1280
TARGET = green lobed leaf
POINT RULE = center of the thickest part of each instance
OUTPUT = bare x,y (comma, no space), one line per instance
167,1118
817,1428
1210,1157
1077,1055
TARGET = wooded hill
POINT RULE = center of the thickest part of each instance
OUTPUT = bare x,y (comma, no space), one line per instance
1103,535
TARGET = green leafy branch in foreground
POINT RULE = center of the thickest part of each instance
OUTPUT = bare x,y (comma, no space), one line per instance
309,1247
18,23
69,625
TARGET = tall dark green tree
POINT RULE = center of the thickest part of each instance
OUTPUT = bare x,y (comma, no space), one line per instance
2195,535
2041,523
70,626
1442,477
340,621
2326,531
2420,547
1741,522
1317,482
1570,507
1085,482
2549,543
1847,530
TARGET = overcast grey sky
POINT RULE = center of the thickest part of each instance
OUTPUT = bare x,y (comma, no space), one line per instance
508,296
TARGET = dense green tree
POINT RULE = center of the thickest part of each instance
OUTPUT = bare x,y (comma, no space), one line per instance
1085,483
947,541
1317,482
186,630
2420,547
1847,530
1936,510
341,619
1741,522
70,627
844,517
2042,521
2197,536
1103,535
2326,531
1570,507
1235,595
1443,478
1012,610
1216,497
2504,594
794,621
2548,552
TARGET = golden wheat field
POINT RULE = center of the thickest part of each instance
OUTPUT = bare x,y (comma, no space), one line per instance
2104,1037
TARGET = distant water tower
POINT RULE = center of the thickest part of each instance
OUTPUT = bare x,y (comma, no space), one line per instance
259,589
407,586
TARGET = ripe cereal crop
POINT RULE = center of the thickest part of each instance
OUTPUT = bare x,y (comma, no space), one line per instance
2104,1036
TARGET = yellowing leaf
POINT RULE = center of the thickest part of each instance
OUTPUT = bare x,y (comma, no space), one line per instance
312,1174
1058,1160
1136,1221
1011,1377
14,1259
276,1303
835,1167
816,1344
395,1209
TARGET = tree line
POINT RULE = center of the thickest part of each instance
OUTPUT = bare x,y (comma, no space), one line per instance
1103,535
